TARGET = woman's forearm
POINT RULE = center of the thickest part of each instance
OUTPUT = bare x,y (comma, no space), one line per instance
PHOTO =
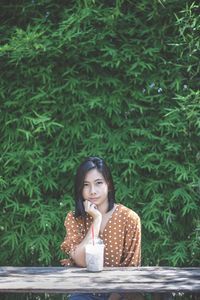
78,254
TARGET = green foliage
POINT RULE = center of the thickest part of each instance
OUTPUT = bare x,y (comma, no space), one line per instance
118,79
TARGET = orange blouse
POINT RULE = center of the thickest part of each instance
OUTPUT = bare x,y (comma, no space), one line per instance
121,236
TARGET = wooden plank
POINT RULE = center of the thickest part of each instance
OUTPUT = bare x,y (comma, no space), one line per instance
69,280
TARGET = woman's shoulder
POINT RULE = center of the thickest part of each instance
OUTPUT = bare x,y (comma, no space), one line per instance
70,215
128,212
71,218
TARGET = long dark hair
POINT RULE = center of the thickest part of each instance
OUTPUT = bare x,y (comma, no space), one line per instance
88,164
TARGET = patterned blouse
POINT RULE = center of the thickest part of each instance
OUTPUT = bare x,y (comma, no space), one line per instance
121,236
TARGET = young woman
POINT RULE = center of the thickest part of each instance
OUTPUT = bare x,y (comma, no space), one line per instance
118,226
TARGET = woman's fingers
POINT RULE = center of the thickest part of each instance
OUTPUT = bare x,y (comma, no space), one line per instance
89,206
64,262
92,209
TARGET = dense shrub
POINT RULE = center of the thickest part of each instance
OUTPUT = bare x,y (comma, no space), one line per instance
118,79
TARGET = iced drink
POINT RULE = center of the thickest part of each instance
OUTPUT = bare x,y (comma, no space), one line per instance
95,256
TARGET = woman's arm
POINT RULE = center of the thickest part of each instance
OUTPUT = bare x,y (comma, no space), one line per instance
78,253
132,245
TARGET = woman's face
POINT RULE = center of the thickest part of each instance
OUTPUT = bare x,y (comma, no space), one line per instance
95,189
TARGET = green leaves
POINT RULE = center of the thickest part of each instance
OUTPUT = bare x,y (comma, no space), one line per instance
119,80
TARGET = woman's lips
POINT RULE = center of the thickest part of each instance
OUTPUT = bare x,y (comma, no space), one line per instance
93,199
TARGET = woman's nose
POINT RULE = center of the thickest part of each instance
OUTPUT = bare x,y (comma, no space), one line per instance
92,190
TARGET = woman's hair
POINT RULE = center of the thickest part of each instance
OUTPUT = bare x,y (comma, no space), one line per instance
88,164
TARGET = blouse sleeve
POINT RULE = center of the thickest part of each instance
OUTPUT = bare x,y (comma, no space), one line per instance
132,246
74,235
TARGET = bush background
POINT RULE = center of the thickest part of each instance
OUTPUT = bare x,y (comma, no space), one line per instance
118,79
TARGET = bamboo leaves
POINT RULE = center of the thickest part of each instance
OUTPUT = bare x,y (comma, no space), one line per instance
119,80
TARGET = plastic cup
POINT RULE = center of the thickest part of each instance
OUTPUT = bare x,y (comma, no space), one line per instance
95,256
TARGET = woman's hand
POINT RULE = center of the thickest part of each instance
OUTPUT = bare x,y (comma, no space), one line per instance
78,254
92,209
64,262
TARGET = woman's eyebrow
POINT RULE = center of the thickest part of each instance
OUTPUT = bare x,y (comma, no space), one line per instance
98,179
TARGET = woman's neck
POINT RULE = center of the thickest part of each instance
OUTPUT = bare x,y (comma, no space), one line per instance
106,212
103,209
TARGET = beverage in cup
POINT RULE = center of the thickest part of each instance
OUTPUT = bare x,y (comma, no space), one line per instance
94,252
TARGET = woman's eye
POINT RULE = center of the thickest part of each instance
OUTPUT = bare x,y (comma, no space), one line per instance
99,182
85,184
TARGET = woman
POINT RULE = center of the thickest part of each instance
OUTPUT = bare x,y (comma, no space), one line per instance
118,226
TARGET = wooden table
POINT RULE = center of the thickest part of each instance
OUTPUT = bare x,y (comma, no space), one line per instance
70,280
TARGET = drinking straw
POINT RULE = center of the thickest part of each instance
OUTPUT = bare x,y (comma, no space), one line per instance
93,234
